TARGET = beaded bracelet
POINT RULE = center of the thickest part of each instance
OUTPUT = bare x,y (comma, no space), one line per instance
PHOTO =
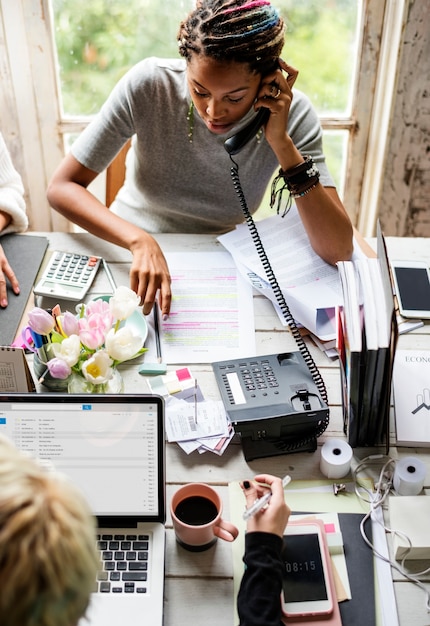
303,193
298,180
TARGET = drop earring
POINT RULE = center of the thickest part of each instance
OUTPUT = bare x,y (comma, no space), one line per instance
190,120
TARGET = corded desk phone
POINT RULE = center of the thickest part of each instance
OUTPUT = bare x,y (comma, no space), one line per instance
278,403
272,402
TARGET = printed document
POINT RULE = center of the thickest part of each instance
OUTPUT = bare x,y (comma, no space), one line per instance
212,314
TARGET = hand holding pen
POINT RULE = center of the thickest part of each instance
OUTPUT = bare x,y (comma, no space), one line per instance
266,511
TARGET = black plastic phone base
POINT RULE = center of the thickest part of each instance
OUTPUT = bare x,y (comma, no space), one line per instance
262,448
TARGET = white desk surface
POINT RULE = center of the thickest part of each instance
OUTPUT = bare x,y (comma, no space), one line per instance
199,587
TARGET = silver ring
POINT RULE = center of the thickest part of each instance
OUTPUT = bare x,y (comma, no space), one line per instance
272,91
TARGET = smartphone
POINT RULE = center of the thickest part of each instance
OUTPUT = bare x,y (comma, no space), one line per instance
412,287
307,588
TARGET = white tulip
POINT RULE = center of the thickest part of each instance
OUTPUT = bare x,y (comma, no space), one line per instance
123,344
98,368
68,350
123,303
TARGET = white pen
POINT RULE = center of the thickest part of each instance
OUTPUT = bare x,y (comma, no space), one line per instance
261,502
109,275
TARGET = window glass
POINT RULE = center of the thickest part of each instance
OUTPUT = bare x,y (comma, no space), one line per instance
98,40
322,43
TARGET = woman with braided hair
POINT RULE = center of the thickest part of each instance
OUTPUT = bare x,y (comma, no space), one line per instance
179,113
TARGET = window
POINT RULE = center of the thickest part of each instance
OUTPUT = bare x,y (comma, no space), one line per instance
61,59
97,42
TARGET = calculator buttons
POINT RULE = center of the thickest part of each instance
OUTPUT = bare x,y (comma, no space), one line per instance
68,275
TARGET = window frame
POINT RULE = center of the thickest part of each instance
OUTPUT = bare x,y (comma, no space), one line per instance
33,125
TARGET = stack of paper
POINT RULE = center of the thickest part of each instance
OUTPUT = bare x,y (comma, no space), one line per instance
192,422
310,285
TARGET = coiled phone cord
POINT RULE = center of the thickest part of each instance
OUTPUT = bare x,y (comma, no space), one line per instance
304,351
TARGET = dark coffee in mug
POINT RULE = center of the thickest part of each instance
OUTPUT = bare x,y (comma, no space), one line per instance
196,511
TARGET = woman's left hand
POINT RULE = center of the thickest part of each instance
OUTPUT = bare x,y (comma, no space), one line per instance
276,95
6,272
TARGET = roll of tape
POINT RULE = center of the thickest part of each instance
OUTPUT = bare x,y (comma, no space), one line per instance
336,456
409,476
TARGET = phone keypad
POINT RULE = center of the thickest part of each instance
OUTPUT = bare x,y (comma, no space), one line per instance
257,375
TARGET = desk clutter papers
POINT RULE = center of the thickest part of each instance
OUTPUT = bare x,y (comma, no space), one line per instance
212,312
15,376
328,347
192,422
411,393
405,325
310,285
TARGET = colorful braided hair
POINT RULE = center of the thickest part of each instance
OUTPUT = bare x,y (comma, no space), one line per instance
245,31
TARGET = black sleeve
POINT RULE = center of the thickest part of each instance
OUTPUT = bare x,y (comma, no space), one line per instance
259,601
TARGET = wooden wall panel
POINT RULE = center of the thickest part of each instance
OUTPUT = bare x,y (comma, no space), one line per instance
404,204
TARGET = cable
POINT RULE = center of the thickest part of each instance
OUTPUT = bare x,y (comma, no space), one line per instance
376,500
316,376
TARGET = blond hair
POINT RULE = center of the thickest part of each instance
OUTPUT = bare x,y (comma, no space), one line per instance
48,560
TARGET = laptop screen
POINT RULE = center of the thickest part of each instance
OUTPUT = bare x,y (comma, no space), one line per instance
111,447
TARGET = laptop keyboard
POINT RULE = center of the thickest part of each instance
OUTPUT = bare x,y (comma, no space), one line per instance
125,563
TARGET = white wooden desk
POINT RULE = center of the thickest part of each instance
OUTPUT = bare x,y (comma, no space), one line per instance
199,587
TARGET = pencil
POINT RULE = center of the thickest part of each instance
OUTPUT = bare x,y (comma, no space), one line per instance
157,332
159,367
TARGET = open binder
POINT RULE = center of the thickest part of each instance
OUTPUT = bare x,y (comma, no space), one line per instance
366,341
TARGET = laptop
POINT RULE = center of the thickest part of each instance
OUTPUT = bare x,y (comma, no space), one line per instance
113,448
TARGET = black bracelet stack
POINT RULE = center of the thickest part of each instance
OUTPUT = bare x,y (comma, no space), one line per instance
298,180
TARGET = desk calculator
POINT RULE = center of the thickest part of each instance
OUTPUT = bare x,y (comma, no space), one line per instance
68,275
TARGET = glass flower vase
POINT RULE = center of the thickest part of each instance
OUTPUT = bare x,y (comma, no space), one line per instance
43,376
79,384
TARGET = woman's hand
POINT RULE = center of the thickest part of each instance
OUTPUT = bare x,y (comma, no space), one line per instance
6,272
276,95
68,194
323,215
274,517
149,273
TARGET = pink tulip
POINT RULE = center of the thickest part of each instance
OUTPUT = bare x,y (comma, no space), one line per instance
101,308
69,324
58,368
41,321
92,331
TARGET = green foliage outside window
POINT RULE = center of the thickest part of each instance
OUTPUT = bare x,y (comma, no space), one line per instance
99,40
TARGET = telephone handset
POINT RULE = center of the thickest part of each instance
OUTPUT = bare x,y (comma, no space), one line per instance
234,144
